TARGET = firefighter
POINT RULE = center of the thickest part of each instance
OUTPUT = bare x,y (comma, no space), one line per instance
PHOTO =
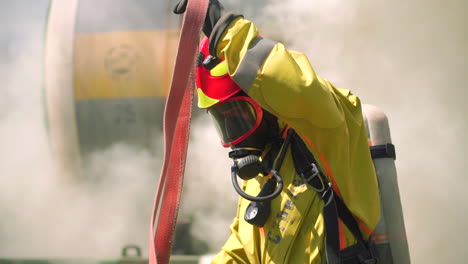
266,102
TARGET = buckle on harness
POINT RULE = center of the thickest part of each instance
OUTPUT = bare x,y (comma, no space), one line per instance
370,260
327,195
361,252
210,62
310,175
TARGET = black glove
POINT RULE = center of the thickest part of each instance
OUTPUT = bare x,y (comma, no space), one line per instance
214,12
216,21
180,7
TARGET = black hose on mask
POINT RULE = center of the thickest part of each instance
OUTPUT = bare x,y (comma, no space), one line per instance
279,188
248,162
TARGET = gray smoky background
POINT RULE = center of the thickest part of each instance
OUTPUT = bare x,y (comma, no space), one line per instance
409,58
44,215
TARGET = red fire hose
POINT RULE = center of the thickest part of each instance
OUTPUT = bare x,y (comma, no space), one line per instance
176,129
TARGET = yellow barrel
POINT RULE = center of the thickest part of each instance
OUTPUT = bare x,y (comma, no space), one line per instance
108,68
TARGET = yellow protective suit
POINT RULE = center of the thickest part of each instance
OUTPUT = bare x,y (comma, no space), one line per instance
330,121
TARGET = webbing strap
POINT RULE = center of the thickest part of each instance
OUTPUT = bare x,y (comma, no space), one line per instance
334,208
176,127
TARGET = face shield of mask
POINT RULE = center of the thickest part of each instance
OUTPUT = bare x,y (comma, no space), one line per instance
236,119
244,126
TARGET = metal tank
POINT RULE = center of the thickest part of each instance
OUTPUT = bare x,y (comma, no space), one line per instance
108,68
390,234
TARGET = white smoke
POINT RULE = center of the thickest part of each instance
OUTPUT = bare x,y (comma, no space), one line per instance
208,197
41,216
47,217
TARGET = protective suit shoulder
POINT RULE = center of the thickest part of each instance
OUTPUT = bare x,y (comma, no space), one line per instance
281,81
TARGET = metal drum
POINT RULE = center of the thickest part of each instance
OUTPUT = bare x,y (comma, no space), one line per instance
108,68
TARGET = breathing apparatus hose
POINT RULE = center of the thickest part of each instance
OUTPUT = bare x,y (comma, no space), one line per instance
176,128
274,172
279,181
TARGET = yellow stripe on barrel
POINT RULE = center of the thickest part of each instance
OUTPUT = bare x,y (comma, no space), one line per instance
123,64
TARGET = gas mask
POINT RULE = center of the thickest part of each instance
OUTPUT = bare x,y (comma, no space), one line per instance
243,126
247,129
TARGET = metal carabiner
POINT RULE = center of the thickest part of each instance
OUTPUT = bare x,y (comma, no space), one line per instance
315,172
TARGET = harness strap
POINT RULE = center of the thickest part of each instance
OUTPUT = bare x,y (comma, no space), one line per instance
334,208
177,116
383,151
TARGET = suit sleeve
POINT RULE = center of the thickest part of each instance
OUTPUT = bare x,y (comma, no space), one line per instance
232,251
243,245
282,81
